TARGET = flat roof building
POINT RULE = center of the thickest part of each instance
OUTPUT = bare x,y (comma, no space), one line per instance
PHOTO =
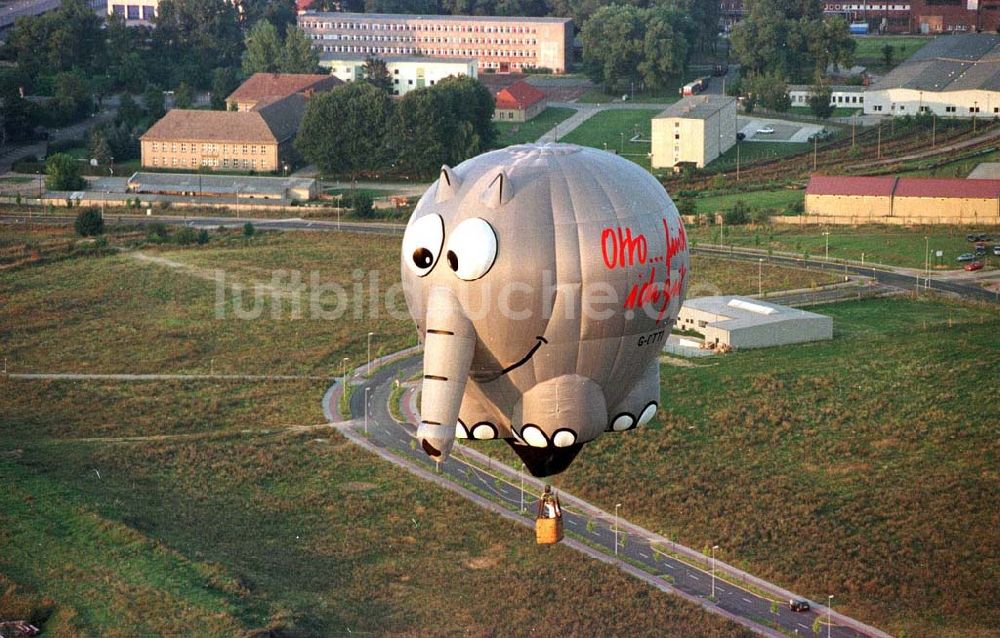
261,86
742,322
223,186
955,76
905,200
519,102
841,95
407,72
500,44
694,130
255,140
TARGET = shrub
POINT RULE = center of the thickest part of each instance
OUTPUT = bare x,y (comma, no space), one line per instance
737,215
158,232
186,236
202,237
361,204
89,223
248,230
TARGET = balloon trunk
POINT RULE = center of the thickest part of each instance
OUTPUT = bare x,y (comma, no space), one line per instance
449,343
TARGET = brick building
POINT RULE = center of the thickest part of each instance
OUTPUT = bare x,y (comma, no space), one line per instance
500,44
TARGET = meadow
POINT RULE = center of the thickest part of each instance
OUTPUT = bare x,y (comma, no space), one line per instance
613,129
774,201
868,49
864,467
525,132
224,507
892,245
750,151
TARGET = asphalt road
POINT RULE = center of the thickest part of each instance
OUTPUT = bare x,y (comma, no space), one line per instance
582,522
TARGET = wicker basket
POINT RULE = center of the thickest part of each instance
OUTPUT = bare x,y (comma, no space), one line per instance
548,531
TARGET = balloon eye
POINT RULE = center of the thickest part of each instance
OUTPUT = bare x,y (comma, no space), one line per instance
422,244
472,249
423,258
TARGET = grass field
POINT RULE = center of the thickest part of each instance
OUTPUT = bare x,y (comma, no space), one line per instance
864,467
524,132
839,111
612,130
221,508
891,245
957,168
868,51
774,200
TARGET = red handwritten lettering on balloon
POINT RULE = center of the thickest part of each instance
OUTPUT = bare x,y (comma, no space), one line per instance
621,250
651,291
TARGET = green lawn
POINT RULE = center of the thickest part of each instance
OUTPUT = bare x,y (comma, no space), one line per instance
957,168
523,132
612,130
751,151
839,111
868,51
776,200
666,95
865,466
882,244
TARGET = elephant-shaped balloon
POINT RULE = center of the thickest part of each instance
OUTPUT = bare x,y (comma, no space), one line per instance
543,280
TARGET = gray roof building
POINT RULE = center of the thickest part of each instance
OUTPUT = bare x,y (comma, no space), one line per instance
742,322
949,63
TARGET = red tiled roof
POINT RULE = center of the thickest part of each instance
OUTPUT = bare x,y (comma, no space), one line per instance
852,186
953,187
519,95
302,5
261,85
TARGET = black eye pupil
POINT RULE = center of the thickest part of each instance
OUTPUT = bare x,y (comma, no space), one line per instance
423,258
453,260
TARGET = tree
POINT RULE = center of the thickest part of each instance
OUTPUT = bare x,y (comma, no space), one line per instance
298,54
197,36
344,130
57,41
887,54
280,13
401,6
664,47
377,73
263,49
819,99
17,116
152,99
771,91
224,82
62,173
72,99
184,96
473,106
100,149
129,113
249,230
361,204
89,223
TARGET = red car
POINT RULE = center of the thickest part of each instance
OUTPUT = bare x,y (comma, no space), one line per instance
976,265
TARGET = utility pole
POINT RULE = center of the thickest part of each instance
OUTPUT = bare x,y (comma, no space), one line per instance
714,547
617,505
737,160
854,127
815,149
760,277
367,390
934,131
878,154
522,488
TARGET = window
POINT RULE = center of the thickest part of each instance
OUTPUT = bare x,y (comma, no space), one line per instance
973,109
877,108
949,109
184,148
132,12
148,13
677,136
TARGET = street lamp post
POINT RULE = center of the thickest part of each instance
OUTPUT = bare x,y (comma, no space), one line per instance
343,372
623,141
829,614
927,260
369,367
827,235
617,505
522,488
714,547
760,276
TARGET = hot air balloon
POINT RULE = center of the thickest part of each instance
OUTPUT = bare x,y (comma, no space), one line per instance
543,281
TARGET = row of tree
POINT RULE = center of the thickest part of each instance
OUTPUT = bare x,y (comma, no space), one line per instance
358,128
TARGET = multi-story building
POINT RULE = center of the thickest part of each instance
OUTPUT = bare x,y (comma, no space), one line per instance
878,17
500,44
135,12
407,73
955,76
259,140
261,86
954,16
695,130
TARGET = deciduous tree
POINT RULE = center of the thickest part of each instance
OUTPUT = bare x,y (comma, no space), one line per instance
62,173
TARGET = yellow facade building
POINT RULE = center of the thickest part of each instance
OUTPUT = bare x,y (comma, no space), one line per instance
695,130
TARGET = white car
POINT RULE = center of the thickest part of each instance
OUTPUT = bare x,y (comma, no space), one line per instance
767,130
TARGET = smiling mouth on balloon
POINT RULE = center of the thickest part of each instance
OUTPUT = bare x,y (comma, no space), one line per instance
486,378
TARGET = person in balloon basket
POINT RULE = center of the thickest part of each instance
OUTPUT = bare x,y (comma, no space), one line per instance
550,504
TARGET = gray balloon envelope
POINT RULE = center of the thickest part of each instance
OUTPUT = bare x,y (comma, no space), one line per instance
543,280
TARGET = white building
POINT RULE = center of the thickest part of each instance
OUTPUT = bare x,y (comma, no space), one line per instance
135,12
841,96
696,130
953,76
741,322
407,73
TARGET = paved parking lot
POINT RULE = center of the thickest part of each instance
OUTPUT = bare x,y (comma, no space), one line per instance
784,130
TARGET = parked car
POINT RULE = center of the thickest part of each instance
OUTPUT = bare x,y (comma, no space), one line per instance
977,237
976,265
966,257
980,249
766,130
798,604
996,250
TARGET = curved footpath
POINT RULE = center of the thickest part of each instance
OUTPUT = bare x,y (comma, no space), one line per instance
741,597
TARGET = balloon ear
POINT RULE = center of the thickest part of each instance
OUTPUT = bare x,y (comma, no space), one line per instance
448,184
498,192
